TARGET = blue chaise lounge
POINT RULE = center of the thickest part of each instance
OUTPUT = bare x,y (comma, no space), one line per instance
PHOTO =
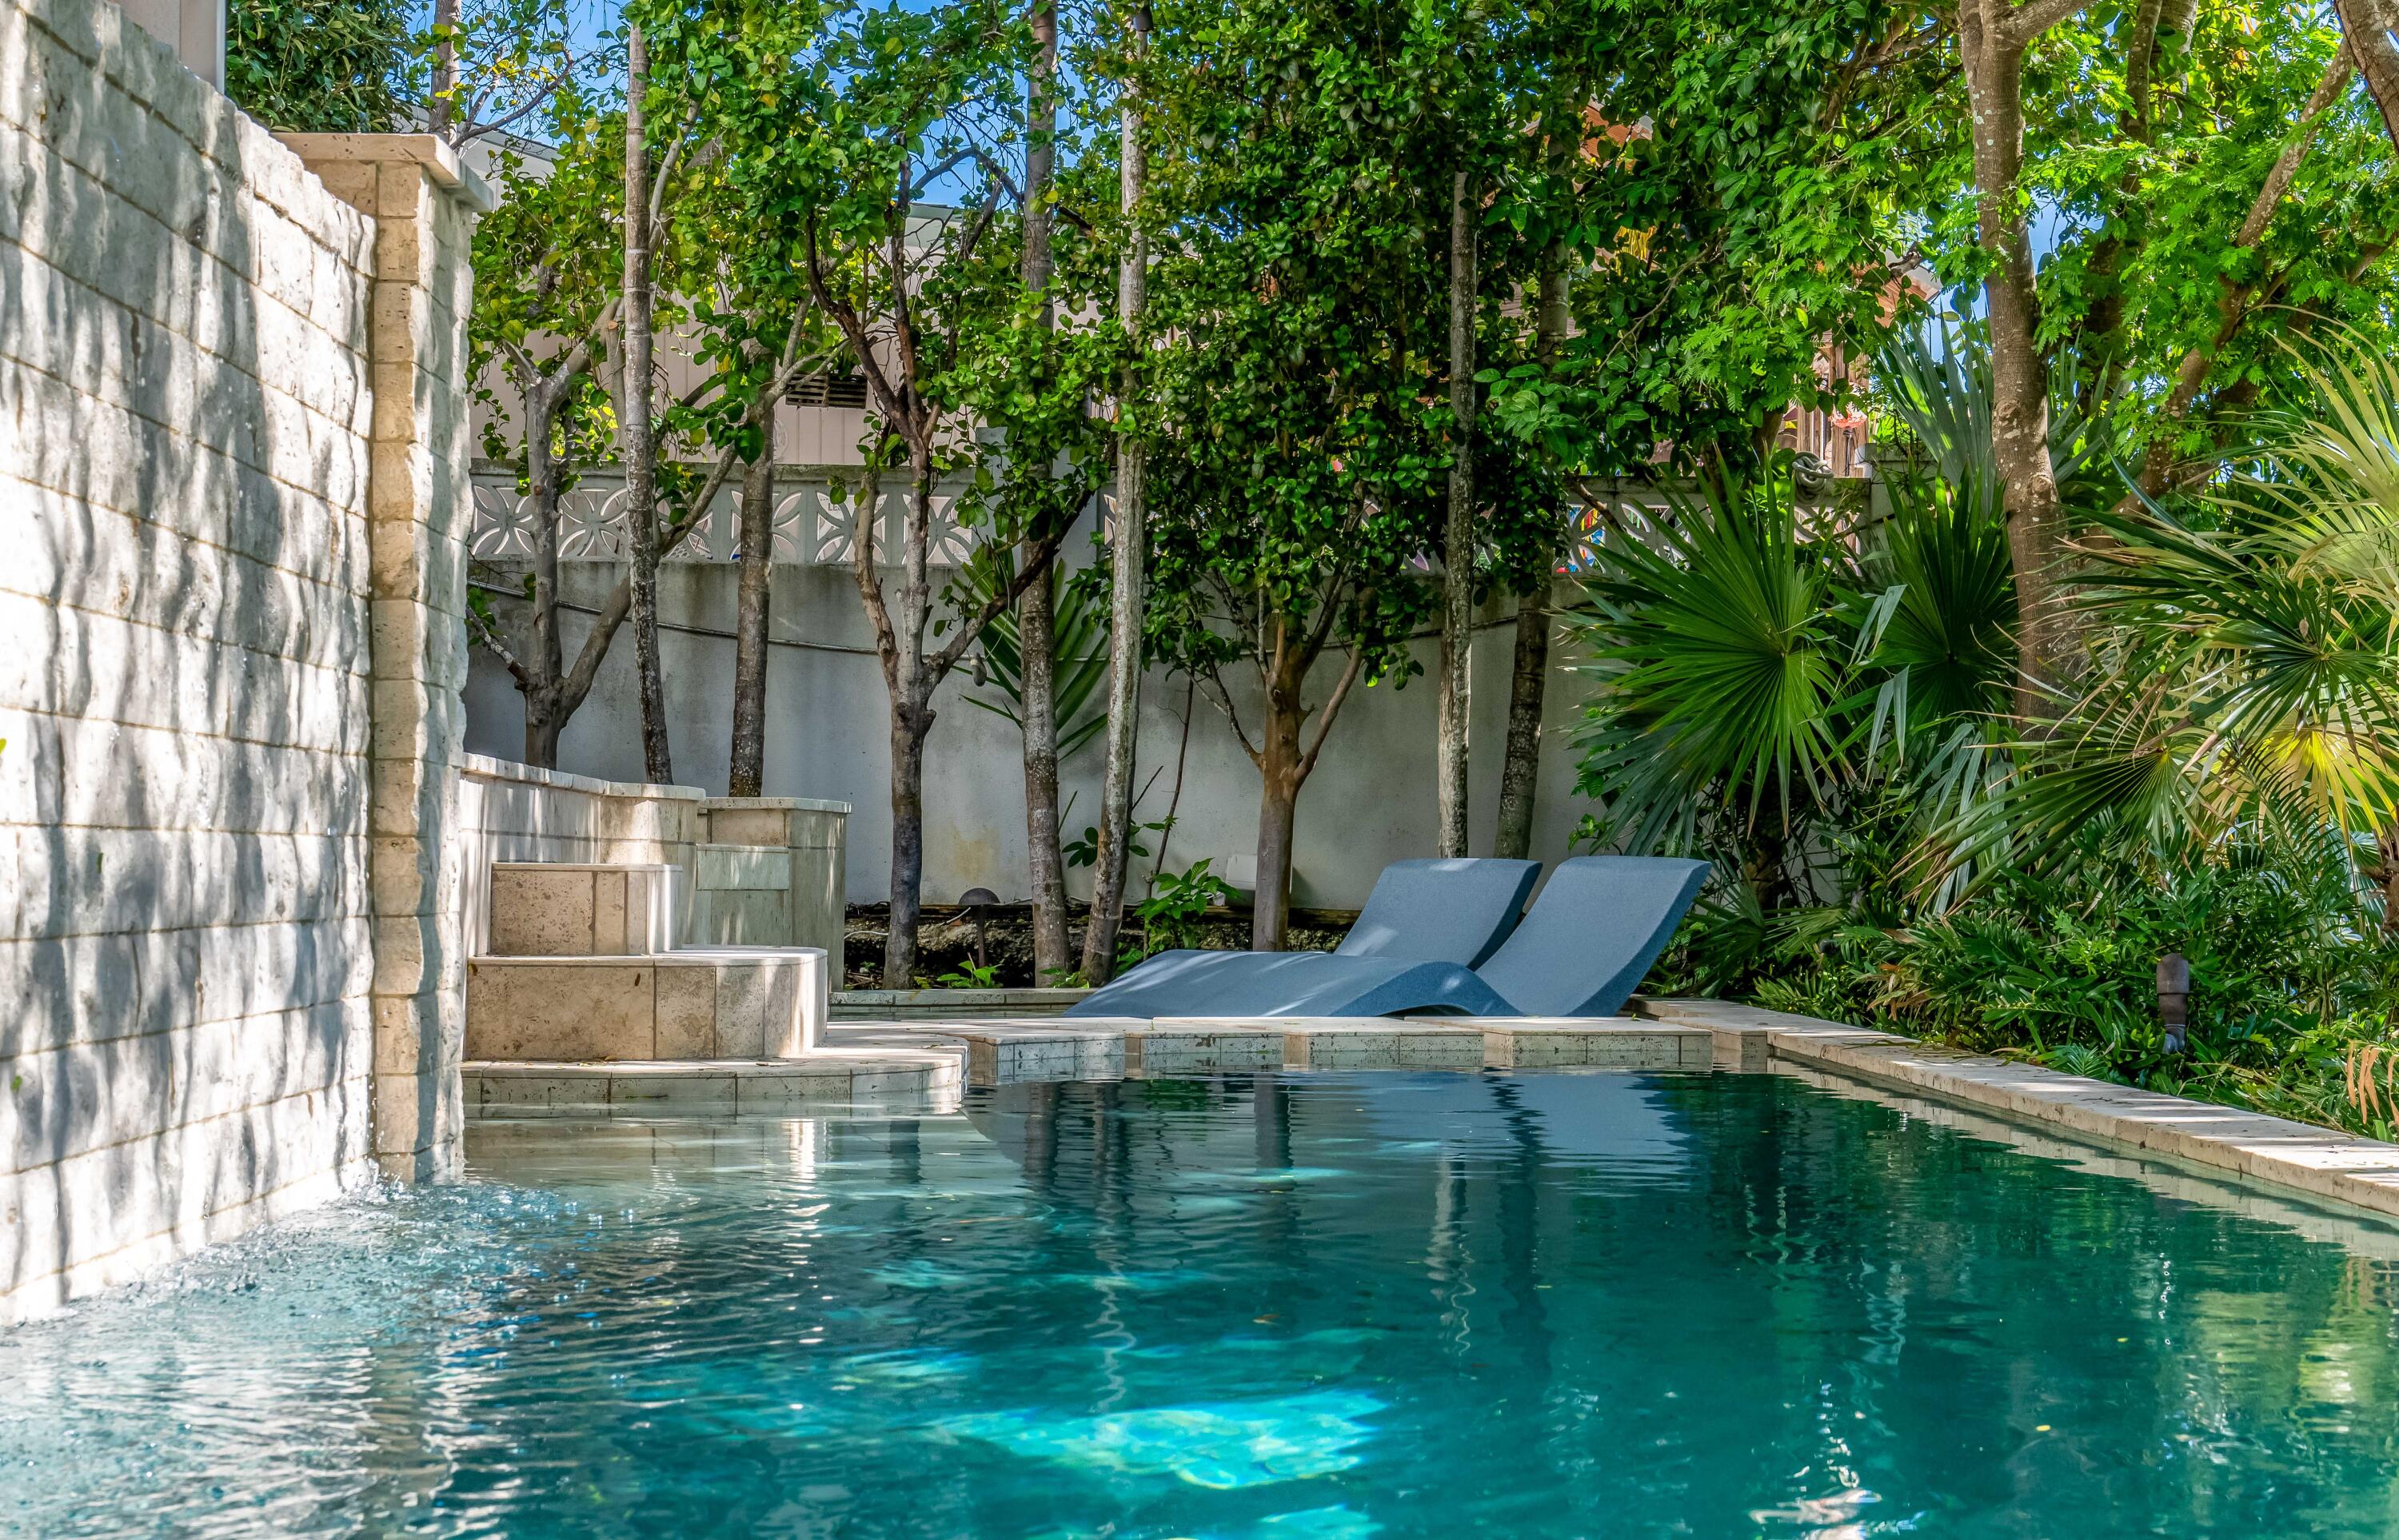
1581,951
1457,912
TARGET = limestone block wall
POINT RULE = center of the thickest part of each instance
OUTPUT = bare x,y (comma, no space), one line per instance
233,474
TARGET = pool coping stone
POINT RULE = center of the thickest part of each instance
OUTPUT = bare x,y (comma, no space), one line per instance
2300,1157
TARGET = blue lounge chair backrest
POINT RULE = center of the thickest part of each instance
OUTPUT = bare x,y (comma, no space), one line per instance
1441,911
1592,934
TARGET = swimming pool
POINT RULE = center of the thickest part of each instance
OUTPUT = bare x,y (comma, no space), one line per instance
1303,1305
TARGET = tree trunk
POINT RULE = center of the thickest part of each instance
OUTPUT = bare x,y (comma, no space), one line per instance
1036,610
1520,772
640,448
1038,650
747,774
1520,776
2046,640
2366,25
908,729
1451,756
549,661
911,720
1282,768
1125,553
438,108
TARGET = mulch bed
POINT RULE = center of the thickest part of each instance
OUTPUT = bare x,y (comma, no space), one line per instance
945,941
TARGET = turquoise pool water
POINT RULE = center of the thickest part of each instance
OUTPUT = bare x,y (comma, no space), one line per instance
1394,1306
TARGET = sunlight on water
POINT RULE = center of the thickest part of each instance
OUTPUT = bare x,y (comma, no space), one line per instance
1224,1446
1408,1306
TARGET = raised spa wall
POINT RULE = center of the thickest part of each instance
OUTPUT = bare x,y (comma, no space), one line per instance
618,922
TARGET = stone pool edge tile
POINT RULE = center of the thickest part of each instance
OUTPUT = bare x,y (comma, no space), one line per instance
932,1077
2295,1157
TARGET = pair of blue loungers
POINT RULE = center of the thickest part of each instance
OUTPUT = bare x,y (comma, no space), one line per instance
1446,937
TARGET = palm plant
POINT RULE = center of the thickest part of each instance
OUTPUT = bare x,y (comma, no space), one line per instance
1753,683
1080,634
2247,655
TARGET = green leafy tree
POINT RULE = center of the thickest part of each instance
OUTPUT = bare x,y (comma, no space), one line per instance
321,66
1297,451
1709,195
829,125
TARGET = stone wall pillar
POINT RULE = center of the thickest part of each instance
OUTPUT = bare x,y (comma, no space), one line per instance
419,513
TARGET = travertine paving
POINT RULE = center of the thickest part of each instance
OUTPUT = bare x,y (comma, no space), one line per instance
2298,1156
942,1055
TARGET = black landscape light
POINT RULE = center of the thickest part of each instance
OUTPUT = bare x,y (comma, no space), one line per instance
2173,999
978,899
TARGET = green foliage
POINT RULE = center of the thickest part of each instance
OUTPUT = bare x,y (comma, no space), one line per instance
549,264
321,66
1760,680
1170,916
1298,445
2246,662
1746,181
1084,849
2223,788
1719,659
2144,211
1080,632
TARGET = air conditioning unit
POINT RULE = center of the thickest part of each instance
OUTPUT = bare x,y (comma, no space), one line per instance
842,390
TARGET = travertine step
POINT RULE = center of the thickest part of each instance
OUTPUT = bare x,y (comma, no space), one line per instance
712,1003
822,1081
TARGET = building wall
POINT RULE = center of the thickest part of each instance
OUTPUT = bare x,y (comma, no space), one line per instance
213,609
1369,802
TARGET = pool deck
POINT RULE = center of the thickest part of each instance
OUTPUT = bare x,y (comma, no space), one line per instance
927,1063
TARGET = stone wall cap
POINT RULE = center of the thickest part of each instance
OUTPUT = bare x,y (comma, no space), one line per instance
651,867
438,157
486,767
772,804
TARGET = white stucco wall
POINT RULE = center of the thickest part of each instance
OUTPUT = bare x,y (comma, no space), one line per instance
1369,802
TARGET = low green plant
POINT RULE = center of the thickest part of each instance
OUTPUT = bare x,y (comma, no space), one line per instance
1084,850
967,976
1170,916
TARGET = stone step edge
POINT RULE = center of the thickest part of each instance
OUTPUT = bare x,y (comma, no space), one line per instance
2297,1158
680,955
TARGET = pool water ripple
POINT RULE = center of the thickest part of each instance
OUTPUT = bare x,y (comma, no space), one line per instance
1317,1306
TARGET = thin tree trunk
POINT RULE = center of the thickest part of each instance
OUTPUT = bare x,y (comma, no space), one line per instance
1125,553
911,720
747,774
1279,775
1520,771
908,729
1283,768
640,448
2366,25
1174,796
1451,755
1520,776
541,696
1038,645
1993,53
1036,610
439,109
